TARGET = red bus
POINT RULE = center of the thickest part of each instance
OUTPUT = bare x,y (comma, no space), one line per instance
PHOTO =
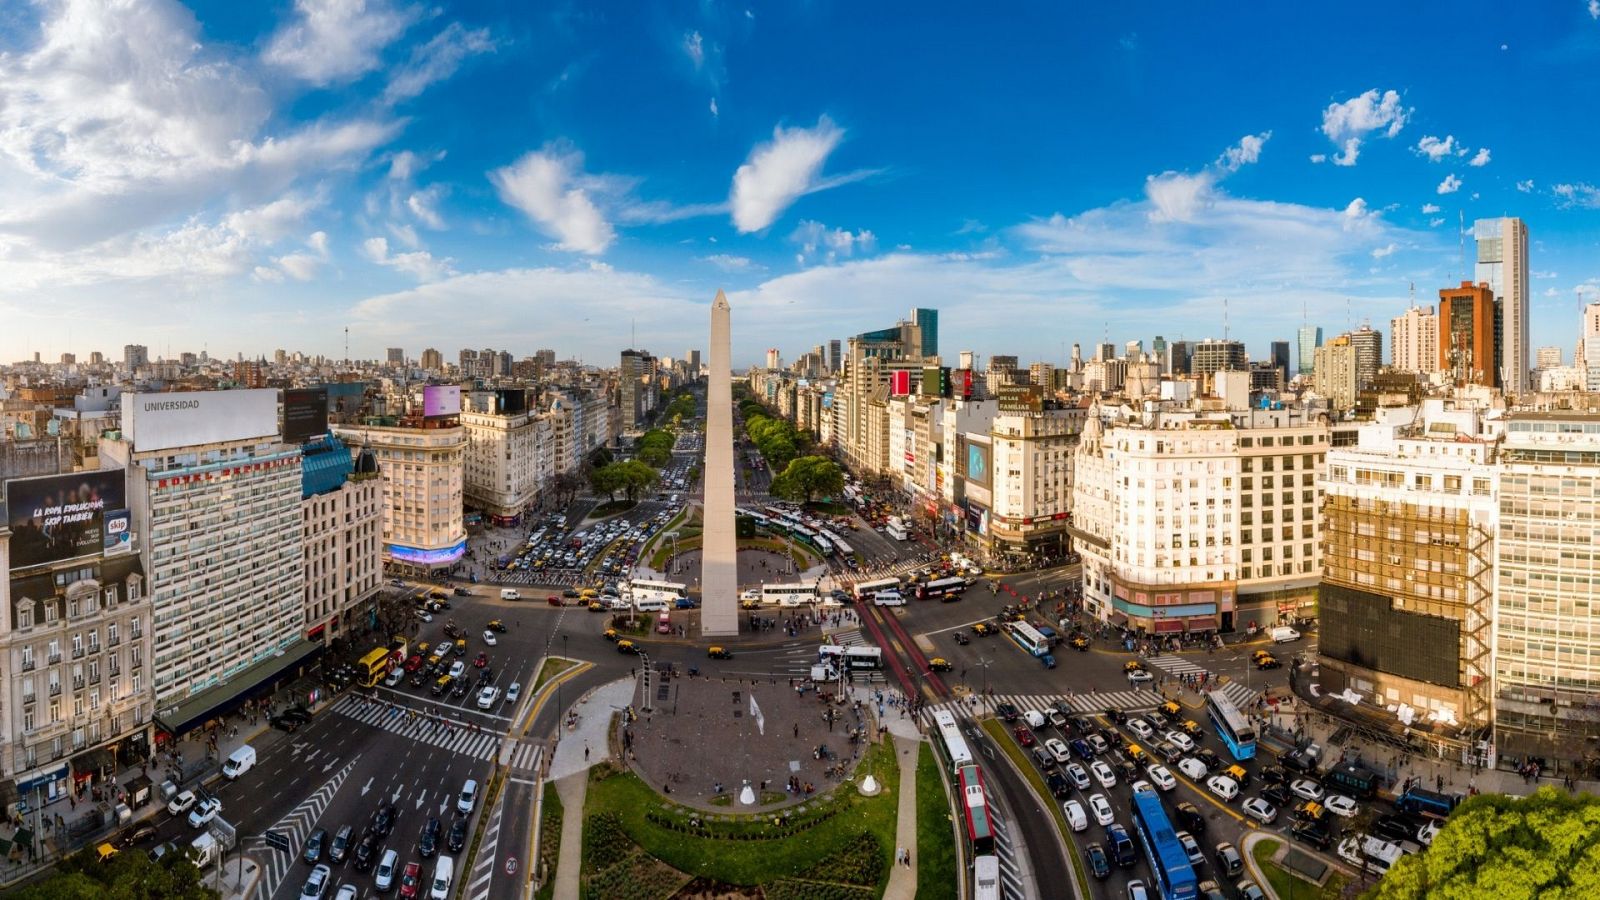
975,810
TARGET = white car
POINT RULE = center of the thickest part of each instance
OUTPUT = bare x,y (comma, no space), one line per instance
1140,676
1141,728
514,693
180,804
1076,817
1180,740
1425,834
1103,774
1034,718
487,696
1141,785
1101,807
1193,768
1305,789
317,884
1260,810
202,815
1058,750
1080,777
456,668
425,616
1162,777
346,892
1343,807
1223,786
488,638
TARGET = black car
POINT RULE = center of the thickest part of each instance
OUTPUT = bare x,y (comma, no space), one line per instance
458,835
297,713
136,834
962,639
461,592
1058,784
288,725
461,689
312,854
1209,759
1299,762
428,843
1098,863
1007,712
1116,715
1395,827
366,855
1274,775
1278,796
383,820
419,677
1315,832
340,848
1127,771
1190,819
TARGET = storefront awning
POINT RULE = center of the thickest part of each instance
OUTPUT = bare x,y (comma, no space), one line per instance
179,718
1168,626
92,762
1202,623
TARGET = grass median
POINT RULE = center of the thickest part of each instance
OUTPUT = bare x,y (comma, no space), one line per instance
1289,886
549,841
997,733
936,845
552,667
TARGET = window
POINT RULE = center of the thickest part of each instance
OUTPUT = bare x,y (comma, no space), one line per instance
27,657
25,615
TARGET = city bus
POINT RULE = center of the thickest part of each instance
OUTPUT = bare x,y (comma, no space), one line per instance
865,589
946,589
843,548
1028,638
788,594
669,591
955,746
1174,876
856,658
986,878
895,531
1231,725
374,666
975,811
823,545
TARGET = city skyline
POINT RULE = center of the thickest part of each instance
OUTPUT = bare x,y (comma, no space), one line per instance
291,172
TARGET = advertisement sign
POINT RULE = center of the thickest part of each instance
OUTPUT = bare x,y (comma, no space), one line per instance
305,414
1020,398
963,384
510,401
417,556
118,532
440,400
936,382
188,418
899,383
977,519
978,456
60,517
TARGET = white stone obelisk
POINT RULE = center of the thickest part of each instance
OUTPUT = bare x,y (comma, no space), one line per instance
719,568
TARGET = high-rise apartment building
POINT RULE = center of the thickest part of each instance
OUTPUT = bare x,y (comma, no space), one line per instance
693,358
1029,480
1211,356
1280,360
1334,372
1415,336
1178,361
422,461
774,358
1588,355
1467,349
1502,263
397,356
859,424
927,322
1369,354
432,360
341,511
637,389
1309,339
1547,358
510,454
135,356
1002,370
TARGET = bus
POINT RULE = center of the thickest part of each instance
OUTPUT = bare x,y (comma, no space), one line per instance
856,658
843,548
955,746
1174,876
788,594
374,666
1352,779
1231,725
824,546
946,589
1028,638
975,810
669,591
865,589
895,531
986,878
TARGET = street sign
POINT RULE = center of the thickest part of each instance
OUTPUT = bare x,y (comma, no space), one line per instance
278,840
511,865
224,832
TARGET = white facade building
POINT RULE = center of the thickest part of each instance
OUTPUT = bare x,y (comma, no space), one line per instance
509,458
343,529
423,485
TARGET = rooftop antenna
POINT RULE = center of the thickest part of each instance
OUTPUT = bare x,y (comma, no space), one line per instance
1413,295
1224,318
347,345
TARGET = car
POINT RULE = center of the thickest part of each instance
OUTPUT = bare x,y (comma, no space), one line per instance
1041,756
366,852
383,819
1249,890
1278,794
1260,810
1035,719
1058,749
1141,785
1395,827
410,880
1079,776
311,853
1077,819
1140,677
1223,786
1133,665
1208,758
468,798
456,668
487,696
340,848
1192,768
1101,807
201,815
1267,661
488,638
1191,848
413,662
346,892
984,629
1137,890
962,639
1274,775
428,840
1097,744
1169,752
1315,833
180,804
1162,777
461,688
1024,735
481,661
1180,740
1306,789
718,653
1425,835
1007,712
1099,864
316,883
1057,719
1080,642
1229,862
497,626
1192,728
1058,784
1103,774
137,833
939,664
1125,768
457,837
1140,727
1189,816
424,615
1341,806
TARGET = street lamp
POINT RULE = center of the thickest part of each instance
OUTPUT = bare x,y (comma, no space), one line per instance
984,662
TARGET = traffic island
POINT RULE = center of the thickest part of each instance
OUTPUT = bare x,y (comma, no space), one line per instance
1292,874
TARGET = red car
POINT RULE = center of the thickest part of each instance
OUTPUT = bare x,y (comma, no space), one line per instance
553,600
414,663
1024,736
411,880
481,661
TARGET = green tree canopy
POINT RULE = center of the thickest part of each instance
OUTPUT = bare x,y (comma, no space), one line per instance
655,447
809,477
1543,845
130,875
636,477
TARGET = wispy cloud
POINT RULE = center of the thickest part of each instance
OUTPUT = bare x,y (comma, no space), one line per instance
1247,151
1579,194
1349,123
694,46
1429,209
419,264
781,171
1481,159
331,41
733,264
834,244
436,60
1437,150
1449,185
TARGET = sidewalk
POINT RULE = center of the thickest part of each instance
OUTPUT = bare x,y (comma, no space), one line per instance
903,880
569,862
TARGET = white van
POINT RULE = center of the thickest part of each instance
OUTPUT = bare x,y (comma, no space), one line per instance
443,871
383,879
509,594
888,598
468,799
1283,634
653,605
205,850
239,762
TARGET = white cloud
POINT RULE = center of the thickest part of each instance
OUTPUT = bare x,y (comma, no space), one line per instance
1347,124
267,275
419,264
1319,157
1429,209
1386,250
1525,187
836,243
1436,150
714,110
1579,194
1178,197
1356,212
406,164
548,186
781,171
330,41
436,60
424,205
1594,9
1482,159
732,264
1551,292
405,234
1247,151
695,46
1450,184
1435,223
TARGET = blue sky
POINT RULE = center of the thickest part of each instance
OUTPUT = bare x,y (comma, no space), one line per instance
248,176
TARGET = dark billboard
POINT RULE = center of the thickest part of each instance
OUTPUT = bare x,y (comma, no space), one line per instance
510,401
61,516
977,469
1365,629
305,414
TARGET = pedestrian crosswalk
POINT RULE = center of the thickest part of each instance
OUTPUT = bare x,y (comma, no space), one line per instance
449,734
1089,703
525,756
1173,664
1243,697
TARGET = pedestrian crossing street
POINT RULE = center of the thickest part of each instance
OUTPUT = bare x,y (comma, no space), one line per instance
1241,695
1091,703
450,734
525,756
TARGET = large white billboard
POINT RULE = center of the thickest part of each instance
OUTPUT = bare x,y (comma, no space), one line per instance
184,419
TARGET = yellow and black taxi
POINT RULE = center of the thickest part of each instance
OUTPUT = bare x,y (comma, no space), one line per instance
984,629
1265,660
610,634
718,653
1079,642
497,626
1133,665
939,664
749,603
627,647
1170,710
596,606
1192,727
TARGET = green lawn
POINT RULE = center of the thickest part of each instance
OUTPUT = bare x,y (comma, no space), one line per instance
549,841
997,732
936,847
1289,886
741,849
551,668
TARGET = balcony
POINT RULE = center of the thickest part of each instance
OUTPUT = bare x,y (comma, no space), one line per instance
94,648
77,653
55,658
55,689
29,698
113,642
28,664
77,684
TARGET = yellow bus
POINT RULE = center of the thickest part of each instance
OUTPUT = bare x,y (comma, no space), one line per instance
375,665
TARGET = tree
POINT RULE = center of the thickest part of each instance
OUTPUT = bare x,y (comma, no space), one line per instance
1493,845
655,447
130,875
566,486
606,479
809,477
630,476
600,456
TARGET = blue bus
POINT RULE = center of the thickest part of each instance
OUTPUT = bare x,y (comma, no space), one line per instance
1174,876
1236,732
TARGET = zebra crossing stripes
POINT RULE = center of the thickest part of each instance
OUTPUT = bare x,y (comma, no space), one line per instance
296,825
1092,703
1241,695
450,735
1006,854
525,757
846,638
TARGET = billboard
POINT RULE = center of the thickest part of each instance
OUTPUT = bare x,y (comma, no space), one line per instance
962,386
511,401
59,517
305,414
977,519
418,556
899,382
936,382
978,456
1020,398
441,400
119,531
186,419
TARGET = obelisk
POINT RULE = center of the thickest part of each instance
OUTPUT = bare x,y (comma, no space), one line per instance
719,553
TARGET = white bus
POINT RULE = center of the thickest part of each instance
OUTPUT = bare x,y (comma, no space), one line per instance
856,658
843,548
1028,638
986,878
669,591
950,735
788,594
823,545
895,531
865,589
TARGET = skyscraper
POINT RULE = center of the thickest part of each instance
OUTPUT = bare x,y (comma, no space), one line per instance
1467,348
135,355
773,359
397,356
1503,265
1178,358
833,356
928,321
1310,340
1369,354
1280,358
1212,355
1415,336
